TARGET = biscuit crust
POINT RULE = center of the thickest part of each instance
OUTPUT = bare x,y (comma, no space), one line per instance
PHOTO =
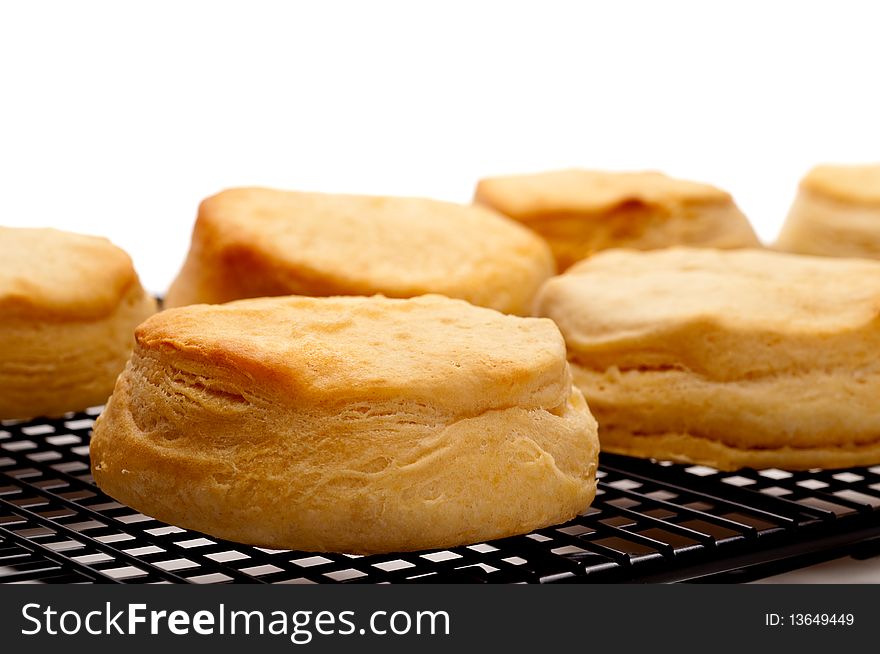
70,304
739,358
348,424
256,242
835,213
856,184
580,212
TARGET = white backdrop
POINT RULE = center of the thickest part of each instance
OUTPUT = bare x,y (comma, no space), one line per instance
117,118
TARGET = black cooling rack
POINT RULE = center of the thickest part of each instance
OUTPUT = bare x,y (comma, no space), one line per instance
650,522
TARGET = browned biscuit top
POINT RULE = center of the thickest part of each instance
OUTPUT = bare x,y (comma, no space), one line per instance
853,184
443,352
590,192
368,244
46,273
723,314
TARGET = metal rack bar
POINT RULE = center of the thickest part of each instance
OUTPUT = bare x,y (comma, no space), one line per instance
649,522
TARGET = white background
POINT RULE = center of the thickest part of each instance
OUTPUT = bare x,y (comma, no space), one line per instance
116,118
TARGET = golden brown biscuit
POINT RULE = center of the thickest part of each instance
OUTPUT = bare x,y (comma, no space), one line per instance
836,213
70,304
257,242
348,424
726,358
580,212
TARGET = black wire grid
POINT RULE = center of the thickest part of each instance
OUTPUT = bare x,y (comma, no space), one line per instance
650,522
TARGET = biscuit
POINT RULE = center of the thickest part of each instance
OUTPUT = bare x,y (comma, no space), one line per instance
726,358
70,304
348,424
580,212
255,242
836,213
